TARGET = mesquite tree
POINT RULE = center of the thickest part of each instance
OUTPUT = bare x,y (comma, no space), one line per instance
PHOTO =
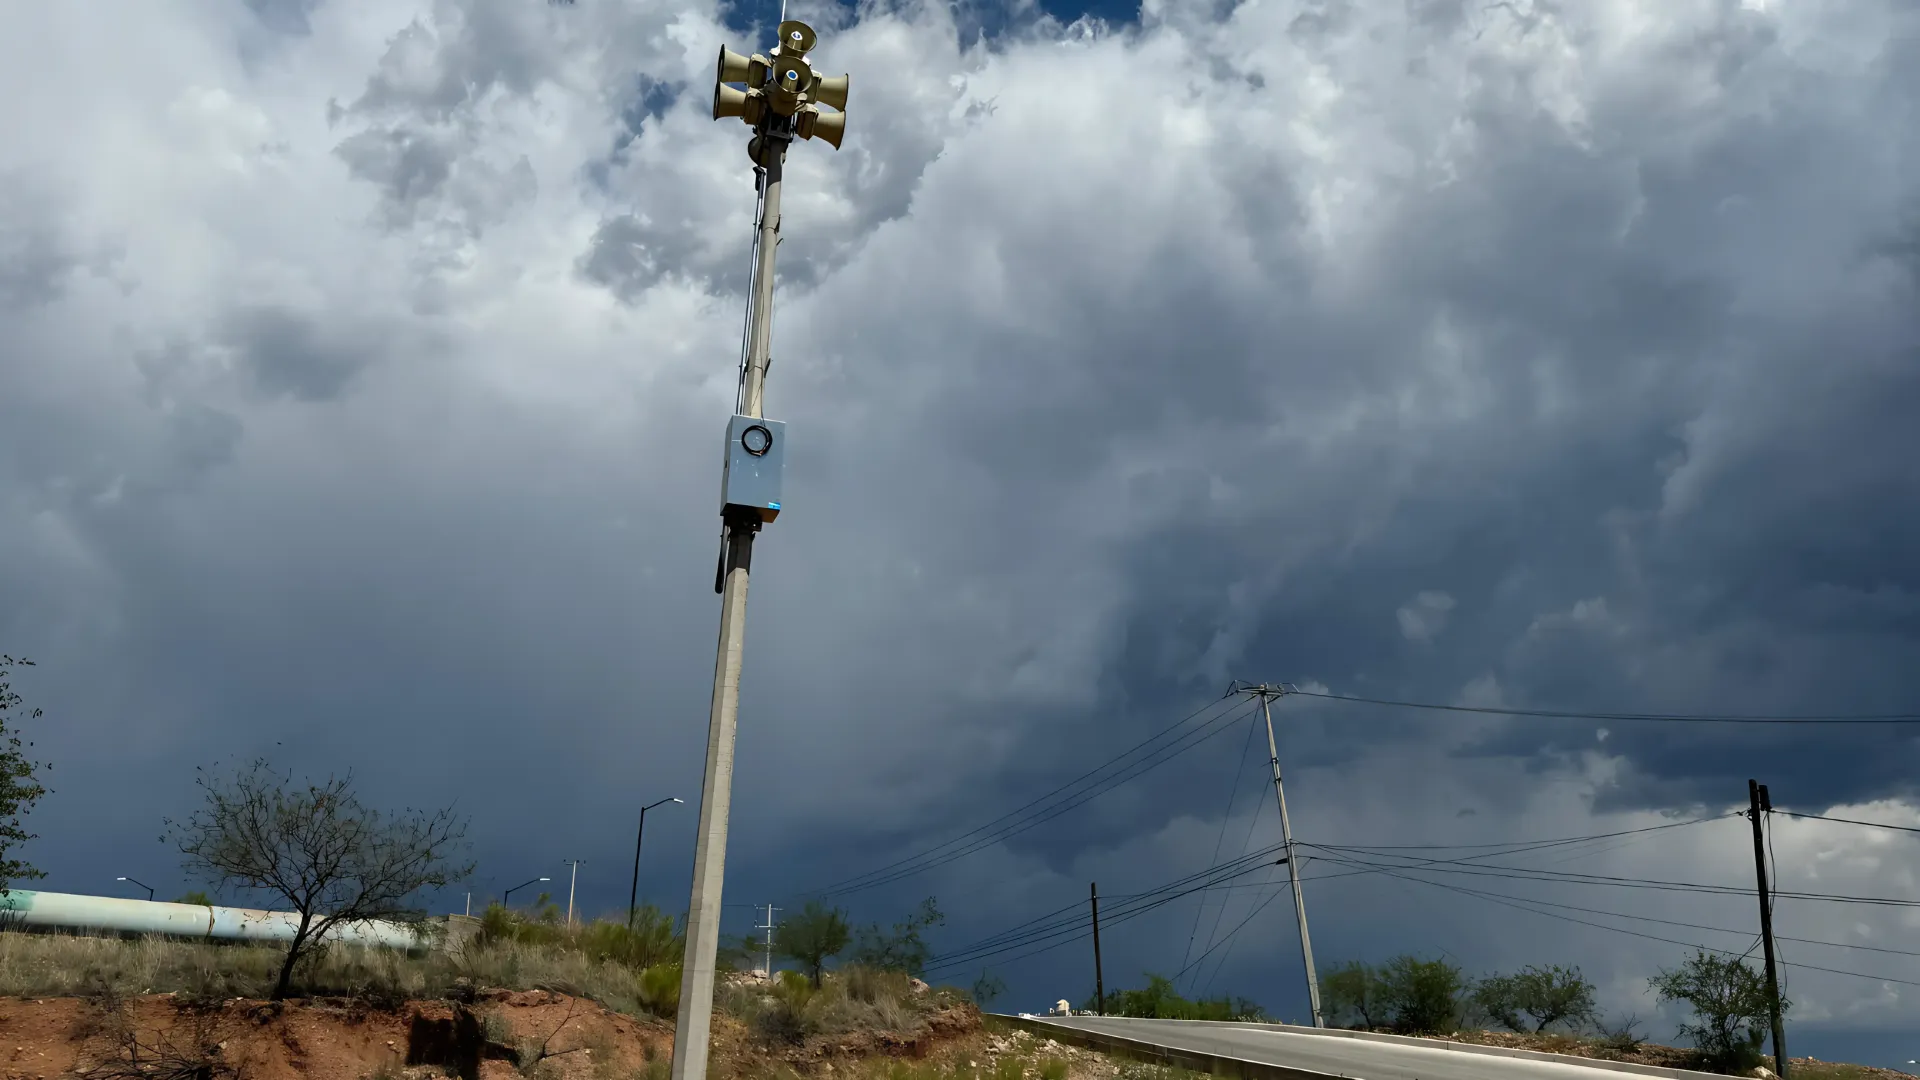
20,787
332,859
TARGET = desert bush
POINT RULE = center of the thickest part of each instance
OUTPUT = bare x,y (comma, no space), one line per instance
1622,1036
1544,996
902,948
783,1012
1729,1000
1421,997
1159,1000
811,937
649,942
659,991
1351,996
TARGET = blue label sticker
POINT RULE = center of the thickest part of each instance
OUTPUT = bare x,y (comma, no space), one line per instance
773,506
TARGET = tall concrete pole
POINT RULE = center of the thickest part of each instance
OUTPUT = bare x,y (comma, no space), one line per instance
1267,694
695,1022
572,880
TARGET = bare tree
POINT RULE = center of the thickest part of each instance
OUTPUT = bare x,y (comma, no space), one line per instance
319,848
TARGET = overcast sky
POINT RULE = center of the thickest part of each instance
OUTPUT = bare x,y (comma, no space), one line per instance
364,366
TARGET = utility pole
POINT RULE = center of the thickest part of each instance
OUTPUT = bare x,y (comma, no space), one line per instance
1266,694
769,929
783,100
1099,983
1758,803
633,895
572,880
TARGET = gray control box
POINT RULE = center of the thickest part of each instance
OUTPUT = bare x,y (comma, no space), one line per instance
756,453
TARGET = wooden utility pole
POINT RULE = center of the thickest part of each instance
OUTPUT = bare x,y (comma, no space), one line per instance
1759,804
1099,984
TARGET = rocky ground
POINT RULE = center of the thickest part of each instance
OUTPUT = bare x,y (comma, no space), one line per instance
496,1035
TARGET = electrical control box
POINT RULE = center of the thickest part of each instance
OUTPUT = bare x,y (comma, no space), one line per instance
756,453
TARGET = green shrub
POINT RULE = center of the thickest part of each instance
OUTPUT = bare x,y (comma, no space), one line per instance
660,990
1053,1068
1351,996
1730,1008
1422,997
1159,1000
1535,998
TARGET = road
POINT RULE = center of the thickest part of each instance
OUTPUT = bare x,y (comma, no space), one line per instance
1359,1059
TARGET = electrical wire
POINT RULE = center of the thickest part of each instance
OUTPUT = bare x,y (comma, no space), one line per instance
1518,846
1223,941
1233,794
1026,817
1522,905
1672,922
1659,718
1848,821
1533,874
1077,928
1027,931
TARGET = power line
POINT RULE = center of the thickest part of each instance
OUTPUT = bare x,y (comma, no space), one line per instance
1849,821
1022,820
1522,905
1625,717
1533,874
1233,794
1521,845
1074,929
1664,922
1241,925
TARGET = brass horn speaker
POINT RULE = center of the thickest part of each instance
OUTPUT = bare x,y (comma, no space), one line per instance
733,67
733,101
828,127
791,78
796,38
829,90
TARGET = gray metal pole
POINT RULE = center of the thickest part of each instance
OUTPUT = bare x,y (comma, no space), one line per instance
694,1026
1293,861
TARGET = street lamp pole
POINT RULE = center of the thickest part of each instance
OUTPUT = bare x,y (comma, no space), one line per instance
633,897
783,100
571,882
505,896
130,881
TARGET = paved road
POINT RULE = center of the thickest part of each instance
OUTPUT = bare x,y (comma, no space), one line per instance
1356,1058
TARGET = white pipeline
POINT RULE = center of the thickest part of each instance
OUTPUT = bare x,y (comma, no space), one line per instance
71,911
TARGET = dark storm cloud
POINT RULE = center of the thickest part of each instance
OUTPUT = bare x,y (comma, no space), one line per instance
1357,310
287,353
284,16
38,252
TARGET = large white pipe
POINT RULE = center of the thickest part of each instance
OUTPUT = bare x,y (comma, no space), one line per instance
71,911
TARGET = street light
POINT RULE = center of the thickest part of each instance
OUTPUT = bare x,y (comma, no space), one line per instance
522,885
781,98
633,897
130,881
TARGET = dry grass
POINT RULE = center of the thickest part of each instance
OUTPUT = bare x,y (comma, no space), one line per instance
45,965
790,1010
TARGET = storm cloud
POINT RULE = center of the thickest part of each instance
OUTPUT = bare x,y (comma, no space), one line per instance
363,368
